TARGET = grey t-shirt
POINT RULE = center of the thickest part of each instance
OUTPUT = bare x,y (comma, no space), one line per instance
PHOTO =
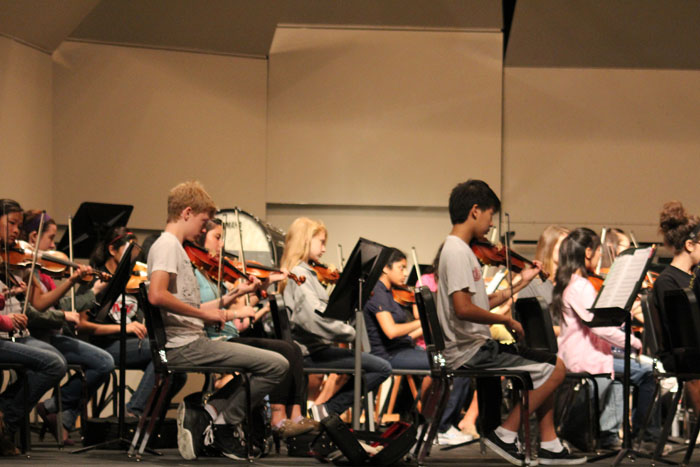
167,254
460,270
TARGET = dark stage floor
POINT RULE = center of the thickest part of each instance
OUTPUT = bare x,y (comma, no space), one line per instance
44,454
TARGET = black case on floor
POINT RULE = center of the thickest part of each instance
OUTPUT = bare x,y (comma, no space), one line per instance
397,441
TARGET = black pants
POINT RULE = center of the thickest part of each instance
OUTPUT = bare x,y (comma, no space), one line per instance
290,391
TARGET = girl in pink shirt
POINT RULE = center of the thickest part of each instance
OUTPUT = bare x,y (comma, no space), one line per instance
585,349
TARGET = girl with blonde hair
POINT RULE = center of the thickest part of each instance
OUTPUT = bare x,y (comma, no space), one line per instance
305,243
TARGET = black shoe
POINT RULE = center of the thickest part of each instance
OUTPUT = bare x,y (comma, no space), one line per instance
192,420
509,451
228,440
563,457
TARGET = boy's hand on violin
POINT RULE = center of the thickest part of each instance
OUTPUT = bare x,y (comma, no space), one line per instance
137,329
245,312
529,273
515,328
249,287
81,272
18,289
19,321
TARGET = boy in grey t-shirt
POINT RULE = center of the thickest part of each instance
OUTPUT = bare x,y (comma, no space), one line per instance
463,310
174,289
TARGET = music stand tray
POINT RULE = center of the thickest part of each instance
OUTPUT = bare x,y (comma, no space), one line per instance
361,273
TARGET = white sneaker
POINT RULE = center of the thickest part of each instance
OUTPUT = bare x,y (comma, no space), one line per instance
453,436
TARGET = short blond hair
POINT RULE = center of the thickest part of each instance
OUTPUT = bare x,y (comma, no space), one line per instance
189,194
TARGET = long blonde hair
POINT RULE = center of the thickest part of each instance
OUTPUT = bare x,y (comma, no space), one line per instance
297,242
545,247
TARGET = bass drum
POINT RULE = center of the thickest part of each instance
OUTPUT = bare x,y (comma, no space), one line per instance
262,242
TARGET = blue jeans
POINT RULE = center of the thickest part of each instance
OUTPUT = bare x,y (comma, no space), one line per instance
610,407
97,363
409,358
138,357
44,369
642,377
376,371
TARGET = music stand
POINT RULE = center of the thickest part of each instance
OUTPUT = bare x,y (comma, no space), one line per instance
91,223
413,275
612,307
361,273
115,289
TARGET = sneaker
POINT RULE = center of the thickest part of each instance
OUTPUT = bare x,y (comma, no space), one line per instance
228,440
453,437
509,451
192,420
563,457
318,412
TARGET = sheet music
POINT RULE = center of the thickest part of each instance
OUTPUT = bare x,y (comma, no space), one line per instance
625,273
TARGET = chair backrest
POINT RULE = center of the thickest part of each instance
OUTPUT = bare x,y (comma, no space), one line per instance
156,330
683,319
655,339
533,314
280,318
432,332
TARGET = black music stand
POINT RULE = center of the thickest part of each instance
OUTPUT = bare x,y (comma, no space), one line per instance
91,223
361,273
614,309
115,289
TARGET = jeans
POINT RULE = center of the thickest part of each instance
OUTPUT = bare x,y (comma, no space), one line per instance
610,406
97,363
376,371
138,357
409,358
44,370
267,370
642,377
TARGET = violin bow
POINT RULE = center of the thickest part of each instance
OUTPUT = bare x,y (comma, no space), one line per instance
603,234
240,248
221,264
70,257
415,262
34,259
7,234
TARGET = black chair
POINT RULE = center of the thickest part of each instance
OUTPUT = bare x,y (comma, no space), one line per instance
681,315
164,374
533,314
443,376
20,371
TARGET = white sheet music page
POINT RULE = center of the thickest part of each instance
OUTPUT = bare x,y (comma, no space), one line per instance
625,273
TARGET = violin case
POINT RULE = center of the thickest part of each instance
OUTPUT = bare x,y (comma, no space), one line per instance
393,444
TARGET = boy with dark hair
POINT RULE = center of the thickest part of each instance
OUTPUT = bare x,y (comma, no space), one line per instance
463,310
174,289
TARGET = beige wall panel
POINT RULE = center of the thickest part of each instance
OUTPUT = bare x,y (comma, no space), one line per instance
402,228
599,147
131,123
377,117
25,125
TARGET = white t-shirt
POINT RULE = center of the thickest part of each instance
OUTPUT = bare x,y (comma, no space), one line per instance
167,254
460,270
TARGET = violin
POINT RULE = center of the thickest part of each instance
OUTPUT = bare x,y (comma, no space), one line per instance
55,263
403,295
596,280
254,268
209,264
138,275
493,255
325,274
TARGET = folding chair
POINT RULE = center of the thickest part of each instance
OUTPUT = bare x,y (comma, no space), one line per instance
442,379
164,374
